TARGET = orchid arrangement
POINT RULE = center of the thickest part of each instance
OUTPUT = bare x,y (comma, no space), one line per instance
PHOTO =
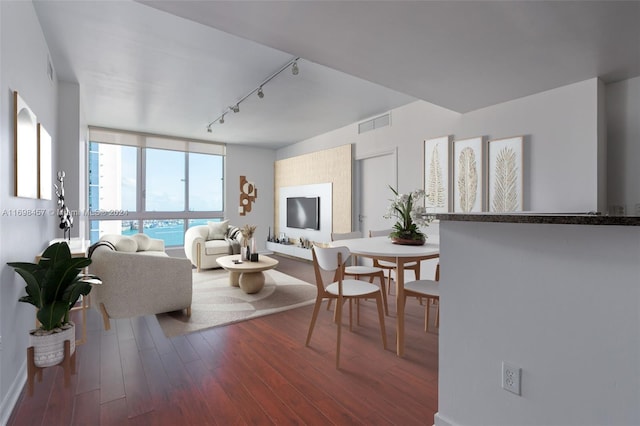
411,214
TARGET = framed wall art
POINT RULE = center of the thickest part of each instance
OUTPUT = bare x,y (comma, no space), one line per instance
468,175
25,150
44,163
505,178
436,174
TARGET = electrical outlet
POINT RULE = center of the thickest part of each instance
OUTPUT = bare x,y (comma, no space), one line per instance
511,378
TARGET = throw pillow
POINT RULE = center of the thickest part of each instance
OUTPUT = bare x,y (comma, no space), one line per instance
233,232
143,241
218,230
126,244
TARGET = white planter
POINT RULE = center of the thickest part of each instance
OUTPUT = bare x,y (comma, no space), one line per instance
48,349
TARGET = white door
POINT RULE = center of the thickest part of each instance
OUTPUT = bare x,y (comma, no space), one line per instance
373,177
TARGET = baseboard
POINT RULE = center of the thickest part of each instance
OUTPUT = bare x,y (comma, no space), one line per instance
440,420
11,398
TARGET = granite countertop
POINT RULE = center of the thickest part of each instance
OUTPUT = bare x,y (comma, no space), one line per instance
534,217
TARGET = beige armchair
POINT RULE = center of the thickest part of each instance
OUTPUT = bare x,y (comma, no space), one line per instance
138,281
203,244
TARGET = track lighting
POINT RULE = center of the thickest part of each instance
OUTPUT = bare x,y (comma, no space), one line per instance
293,63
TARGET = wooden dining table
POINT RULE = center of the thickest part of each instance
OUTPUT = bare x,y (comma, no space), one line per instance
381,248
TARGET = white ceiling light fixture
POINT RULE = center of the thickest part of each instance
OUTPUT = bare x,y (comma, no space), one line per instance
293,63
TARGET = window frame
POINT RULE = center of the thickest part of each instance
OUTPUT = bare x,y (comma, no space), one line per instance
141,214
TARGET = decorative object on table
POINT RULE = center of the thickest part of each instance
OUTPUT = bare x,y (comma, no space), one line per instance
408,209
66,220
505,180
468,175
436,173
53,286
248,195
248,245
25,150
44,163
254,257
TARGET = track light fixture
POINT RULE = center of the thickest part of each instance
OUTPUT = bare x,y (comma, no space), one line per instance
293,63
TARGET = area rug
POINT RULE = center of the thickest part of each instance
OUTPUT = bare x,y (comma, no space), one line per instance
216,303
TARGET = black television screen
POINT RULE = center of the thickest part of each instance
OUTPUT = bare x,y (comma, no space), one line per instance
303,212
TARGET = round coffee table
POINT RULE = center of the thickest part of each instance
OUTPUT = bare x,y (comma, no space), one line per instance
247,275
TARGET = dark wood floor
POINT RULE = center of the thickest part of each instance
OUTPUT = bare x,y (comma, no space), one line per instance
255,372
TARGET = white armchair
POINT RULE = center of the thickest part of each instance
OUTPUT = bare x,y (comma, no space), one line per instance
203,244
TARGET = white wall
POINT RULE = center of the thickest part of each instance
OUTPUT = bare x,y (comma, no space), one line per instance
257,165
561,143
560,301
23,65
623,134
71,155
560,129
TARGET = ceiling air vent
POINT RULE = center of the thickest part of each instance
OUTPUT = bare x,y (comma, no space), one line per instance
374,123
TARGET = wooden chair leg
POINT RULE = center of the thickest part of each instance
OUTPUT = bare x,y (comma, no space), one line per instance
383,330
384,293
339,317
188,311
105,317
426,316
314,316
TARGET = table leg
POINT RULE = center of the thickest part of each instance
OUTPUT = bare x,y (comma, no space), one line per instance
252,282
400,306
234,279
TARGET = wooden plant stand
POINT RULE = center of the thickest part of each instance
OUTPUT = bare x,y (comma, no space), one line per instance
68,364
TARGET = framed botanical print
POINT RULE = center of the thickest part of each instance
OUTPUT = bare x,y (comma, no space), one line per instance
505,178
468,175
436,174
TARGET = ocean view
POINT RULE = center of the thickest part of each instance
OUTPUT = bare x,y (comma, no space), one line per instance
171,231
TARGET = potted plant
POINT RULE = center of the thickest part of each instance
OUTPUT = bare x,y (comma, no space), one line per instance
411,214
54,285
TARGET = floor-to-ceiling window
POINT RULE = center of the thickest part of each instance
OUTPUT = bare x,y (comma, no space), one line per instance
155,185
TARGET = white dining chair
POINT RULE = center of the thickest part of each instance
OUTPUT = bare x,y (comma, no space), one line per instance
361,271
391,266
333,260
428,289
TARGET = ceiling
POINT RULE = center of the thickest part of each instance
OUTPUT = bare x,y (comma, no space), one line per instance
172,67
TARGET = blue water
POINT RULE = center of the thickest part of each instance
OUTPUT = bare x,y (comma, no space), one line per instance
172,235
172,232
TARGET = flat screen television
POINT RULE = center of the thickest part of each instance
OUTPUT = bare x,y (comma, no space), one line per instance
303,212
